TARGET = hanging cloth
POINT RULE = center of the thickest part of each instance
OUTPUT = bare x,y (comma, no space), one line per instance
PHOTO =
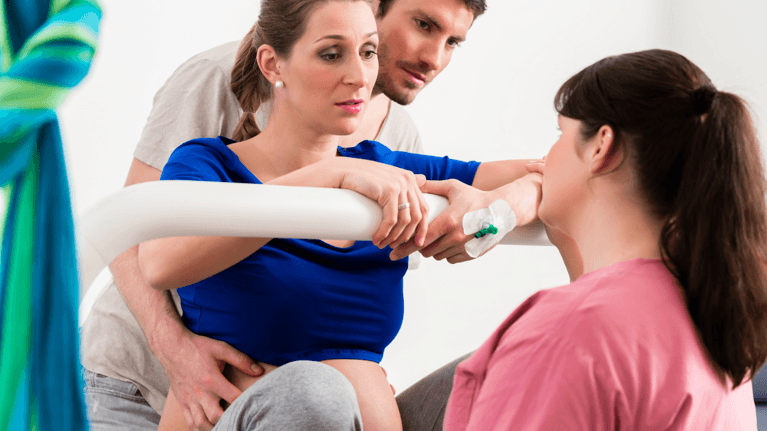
46,47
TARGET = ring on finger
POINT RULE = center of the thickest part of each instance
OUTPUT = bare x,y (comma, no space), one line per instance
404,206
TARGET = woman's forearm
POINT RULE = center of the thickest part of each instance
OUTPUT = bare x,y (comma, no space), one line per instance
170,263
492,175
523,196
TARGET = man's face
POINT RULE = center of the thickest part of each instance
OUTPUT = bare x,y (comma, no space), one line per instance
417,41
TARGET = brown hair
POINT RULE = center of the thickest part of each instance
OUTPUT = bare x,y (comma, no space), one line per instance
280,24
695,153
478,7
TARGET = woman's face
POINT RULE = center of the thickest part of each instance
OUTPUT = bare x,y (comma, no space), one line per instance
565,174
332,68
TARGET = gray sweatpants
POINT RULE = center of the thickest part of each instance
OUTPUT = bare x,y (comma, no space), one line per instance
301,396
117,405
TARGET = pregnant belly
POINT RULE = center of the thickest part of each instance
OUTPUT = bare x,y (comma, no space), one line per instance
374,395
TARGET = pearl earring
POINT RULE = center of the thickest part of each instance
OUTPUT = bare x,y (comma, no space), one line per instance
279,84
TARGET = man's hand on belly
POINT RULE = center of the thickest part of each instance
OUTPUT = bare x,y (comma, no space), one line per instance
194,367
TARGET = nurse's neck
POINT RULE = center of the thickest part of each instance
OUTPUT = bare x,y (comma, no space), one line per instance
613,226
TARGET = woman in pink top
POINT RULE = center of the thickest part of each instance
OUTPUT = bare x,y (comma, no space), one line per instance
655,195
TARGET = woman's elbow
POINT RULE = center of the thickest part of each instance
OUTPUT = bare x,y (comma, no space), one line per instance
152,268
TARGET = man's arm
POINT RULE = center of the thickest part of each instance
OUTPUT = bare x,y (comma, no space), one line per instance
128,277
193,363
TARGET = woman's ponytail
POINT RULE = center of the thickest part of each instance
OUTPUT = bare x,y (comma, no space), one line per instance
249,86
715,237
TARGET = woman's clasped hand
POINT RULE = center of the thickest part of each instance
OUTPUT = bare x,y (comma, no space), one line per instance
405,211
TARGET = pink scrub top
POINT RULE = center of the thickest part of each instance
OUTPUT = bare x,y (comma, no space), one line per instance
614,350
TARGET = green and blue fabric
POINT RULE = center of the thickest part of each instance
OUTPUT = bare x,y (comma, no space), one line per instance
46,48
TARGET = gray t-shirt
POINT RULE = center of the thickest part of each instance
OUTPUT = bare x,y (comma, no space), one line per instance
195,102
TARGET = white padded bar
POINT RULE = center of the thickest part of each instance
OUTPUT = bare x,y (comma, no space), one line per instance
159,209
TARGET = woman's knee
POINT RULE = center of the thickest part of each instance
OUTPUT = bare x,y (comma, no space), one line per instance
321,390
301,395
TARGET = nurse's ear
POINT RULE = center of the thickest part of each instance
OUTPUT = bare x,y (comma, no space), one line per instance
269,63
603,153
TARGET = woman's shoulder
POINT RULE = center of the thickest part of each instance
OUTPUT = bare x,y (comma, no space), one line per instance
200,159
205,146
634,314
634,289
628,296
616,311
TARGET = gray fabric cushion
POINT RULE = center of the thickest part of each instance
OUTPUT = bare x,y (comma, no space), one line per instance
760,387
761,417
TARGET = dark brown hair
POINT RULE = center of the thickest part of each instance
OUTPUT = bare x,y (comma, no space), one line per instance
280,24
478,7
695,153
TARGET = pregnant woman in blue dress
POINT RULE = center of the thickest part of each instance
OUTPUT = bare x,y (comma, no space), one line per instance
339,303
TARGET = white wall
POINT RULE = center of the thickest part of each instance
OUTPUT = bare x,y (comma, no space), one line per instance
729,42
494,101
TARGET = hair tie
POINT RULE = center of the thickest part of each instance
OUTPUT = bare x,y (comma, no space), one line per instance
702,99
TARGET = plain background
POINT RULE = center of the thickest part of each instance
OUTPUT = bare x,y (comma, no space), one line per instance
494,101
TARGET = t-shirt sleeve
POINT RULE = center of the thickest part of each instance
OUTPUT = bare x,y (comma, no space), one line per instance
433,168
196,101
194,161
567,390
436,168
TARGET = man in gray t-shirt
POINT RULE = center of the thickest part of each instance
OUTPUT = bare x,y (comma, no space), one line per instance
134,335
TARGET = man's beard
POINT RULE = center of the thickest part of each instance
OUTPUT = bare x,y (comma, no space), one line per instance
385,84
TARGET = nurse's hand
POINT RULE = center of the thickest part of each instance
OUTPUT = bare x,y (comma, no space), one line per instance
536,166
445,238
568,248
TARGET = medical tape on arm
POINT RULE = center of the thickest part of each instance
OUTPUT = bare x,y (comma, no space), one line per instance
480,222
